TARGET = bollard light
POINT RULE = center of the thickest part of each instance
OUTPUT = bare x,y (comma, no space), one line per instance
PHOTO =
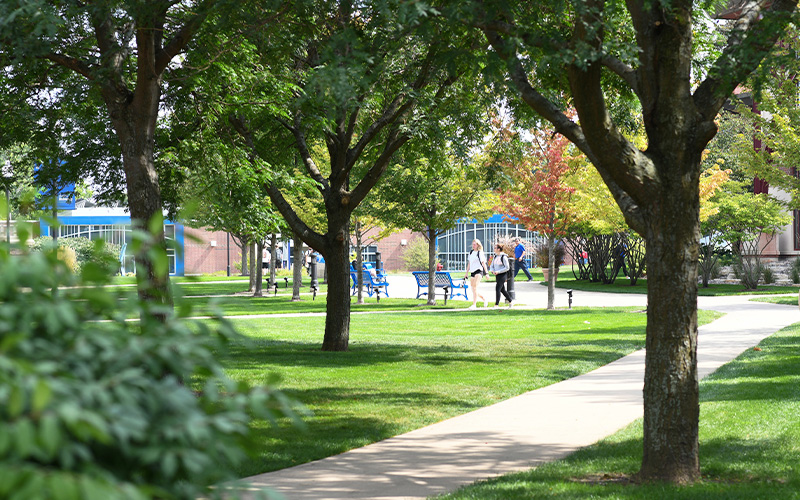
569,294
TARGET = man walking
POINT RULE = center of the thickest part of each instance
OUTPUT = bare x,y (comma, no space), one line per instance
519,259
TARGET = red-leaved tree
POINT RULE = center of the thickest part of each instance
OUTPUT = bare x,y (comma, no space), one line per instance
538,197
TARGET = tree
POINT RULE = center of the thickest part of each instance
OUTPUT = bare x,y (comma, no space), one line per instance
595,52
748,223
120,52
368,78
223,192
538,196
430,195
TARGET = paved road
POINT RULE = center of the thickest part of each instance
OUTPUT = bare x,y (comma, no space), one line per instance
524,431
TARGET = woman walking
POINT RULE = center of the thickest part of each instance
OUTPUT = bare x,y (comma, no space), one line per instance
476,268
500,269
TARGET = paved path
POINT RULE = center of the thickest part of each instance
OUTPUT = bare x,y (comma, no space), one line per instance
524,431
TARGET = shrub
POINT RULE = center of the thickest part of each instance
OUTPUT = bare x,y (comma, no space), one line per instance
416,255
69,258
769,276
93,406
104,254
543,255
795,271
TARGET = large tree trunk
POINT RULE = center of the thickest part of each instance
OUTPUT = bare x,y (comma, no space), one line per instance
297,267
337,318
431,267
144,203
671,402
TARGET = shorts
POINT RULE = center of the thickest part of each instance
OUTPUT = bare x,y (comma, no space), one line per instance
475,273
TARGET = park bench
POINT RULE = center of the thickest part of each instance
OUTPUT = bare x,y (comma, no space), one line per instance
380,273
373,285
443,280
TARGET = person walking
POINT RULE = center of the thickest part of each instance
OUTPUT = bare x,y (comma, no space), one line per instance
476,268
519,260
500,268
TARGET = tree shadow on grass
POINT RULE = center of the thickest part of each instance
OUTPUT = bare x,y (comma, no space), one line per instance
261,353
330,432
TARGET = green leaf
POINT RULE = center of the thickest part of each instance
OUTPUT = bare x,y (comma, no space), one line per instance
50,435
42,393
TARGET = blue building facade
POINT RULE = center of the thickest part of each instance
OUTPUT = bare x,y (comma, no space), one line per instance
112,225
455,244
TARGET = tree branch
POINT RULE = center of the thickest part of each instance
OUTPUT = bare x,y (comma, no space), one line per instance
308,235
754,35
182,37
624,71
75,64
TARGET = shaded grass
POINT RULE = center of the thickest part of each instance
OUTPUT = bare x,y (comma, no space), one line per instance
406,371
271,304
749,442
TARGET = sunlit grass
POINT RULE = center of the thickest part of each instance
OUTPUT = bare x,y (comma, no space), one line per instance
406,371
749,442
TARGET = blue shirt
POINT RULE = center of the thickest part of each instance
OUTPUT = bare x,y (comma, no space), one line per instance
518,250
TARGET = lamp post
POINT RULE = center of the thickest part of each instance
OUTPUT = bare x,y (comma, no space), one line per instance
8,175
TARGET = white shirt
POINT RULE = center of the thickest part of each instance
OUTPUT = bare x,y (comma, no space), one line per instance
475,260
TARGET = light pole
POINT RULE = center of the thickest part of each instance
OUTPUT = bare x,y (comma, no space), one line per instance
8,175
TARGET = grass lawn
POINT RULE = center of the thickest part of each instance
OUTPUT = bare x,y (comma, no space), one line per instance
622,285
228,288
424,369
788,301
271,304
749,442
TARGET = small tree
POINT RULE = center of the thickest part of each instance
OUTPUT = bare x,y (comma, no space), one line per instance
748,223
538,197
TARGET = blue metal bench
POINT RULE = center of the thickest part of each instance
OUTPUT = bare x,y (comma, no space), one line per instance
373,285
379,272
443,280
354,277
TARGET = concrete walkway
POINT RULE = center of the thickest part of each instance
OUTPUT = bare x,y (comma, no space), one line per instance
524,431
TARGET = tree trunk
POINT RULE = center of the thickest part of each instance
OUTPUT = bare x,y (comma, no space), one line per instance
55,219
297,267
359,264
337,267
273,259
551,266
133,117
671,402
252,251
258,292
431,267
244,246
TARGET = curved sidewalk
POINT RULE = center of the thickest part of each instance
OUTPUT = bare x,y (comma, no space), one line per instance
524,431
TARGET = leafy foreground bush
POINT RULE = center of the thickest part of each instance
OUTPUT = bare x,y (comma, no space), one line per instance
96,407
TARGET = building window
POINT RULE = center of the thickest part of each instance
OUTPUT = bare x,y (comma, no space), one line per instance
454,245
119,234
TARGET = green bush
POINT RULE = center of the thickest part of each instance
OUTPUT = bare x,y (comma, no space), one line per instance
94,406
795,272
543,254
416,255
104,254
769,276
